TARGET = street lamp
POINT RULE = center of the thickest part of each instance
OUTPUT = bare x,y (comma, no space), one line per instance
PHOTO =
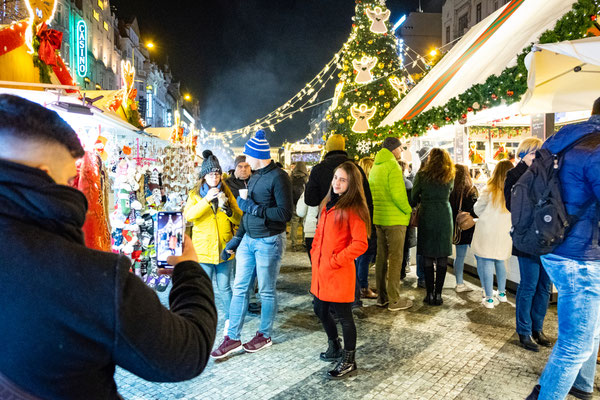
187,97
150,45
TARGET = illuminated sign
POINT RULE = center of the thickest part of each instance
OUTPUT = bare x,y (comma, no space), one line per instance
81,31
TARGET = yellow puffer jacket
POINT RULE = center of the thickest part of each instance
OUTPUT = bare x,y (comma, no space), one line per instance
211,230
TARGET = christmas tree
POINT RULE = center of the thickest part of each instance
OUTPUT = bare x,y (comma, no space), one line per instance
371,81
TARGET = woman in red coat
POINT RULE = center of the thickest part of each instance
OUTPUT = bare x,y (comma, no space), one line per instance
342,232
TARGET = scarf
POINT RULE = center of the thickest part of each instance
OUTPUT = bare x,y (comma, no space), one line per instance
29,195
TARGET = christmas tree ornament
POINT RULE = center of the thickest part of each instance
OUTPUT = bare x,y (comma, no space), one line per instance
363,68
399,85
378,19
362,115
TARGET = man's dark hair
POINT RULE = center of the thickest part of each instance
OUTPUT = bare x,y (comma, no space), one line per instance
27,121
596,107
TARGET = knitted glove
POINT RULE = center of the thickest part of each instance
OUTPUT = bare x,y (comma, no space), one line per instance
250,207
231,245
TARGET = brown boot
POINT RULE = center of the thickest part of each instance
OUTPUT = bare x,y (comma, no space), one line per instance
367,293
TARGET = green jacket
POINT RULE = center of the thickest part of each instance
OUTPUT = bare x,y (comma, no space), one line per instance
390,202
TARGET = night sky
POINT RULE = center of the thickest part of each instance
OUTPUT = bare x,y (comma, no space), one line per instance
243,58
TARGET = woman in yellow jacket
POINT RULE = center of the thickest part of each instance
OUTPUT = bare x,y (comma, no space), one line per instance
213,211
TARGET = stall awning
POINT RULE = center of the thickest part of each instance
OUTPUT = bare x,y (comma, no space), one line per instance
486,49
563,76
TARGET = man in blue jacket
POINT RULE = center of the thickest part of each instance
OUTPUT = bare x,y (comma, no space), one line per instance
574,266
70,313
259,243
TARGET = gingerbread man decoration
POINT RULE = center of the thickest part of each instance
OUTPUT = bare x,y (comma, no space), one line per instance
378,19
362,115
364,67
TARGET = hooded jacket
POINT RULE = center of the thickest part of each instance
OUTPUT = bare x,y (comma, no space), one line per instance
580,182
390,200
212,229
299,178
70,313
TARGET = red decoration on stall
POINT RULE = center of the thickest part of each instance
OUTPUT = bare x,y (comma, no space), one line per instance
510,93
50,43
12,37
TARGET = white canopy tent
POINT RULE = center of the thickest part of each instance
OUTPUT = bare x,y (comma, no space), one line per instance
563,76
485,50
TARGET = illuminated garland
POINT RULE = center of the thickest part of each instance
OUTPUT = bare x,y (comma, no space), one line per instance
508,132
508,87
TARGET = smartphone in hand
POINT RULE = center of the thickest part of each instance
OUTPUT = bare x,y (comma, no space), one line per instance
169,236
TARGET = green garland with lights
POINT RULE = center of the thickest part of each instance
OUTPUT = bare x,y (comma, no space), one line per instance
45,69
508,87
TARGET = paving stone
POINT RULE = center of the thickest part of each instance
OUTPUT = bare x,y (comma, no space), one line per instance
457,351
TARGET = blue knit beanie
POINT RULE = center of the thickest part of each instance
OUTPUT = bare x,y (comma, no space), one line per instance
258,147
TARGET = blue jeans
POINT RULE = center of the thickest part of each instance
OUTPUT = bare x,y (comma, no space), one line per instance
362,268
223,272
459,262
573,358
262,255
485,270
533,295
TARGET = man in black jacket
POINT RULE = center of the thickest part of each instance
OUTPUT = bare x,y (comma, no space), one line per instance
69,313
260,243
320,179
241,176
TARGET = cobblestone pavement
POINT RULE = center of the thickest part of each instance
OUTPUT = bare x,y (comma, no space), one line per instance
457,351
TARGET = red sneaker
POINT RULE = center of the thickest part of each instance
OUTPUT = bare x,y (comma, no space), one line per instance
227,347
257,343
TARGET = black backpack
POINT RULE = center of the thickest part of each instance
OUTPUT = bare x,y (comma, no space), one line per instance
539,218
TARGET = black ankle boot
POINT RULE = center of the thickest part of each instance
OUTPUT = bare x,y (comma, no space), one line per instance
429,299
334,351
528,343
438,301
345,367
541,339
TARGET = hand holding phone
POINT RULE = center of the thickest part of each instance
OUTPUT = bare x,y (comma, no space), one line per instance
188,254
169,237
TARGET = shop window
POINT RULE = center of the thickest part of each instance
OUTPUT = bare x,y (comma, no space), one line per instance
495,5
448,38
96,15
59,13
478,13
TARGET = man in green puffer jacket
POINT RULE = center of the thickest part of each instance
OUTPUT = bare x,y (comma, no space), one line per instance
391,216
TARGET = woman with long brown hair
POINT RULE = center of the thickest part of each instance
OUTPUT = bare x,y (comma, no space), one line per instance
431,191
492,243
342,233
462,198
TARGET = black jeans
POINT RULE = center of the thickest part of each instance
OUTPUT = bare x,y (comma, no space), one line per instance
308,243
344,313
434,281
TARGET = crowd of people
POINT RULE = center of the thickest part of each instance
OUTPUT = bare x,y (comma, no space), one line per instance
352,214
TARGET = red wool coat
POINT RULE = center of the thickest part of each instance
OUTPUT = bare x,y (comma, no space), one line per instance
335,247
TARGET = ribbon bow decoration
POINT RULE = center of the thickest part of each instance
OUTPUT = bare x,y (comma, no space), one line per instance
50,42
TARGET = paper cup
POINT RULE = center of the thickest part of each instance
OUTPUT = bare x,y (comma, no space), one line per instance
244,193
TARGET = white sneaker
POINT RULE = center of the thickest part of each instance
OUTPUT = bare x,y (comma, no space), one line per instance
462,288
488,302
226,328
502,297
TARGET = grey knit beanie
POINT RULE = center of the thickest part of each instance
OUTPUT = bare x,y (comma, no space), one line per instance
210,164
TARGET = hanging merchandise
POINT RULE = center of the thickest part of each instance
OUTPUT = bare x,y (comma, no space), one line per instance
179,175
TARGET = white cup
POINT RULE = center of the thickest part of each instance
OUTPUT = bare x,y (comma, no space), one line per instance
244,193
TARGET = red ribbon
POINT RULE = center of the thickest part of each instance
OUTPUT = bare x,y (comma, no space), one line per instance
50,41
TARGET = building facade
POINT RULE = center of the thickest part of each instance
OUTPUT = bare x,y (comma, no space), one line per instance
420,34
458,16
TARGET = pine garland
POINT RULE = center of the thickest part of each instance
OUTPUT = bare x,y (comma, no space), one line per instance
508,87
45,69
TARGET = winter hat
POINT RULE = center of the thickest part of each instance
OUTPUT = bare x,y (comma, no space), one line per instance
424,153
258,147
239,159
391,143
210,164
335,143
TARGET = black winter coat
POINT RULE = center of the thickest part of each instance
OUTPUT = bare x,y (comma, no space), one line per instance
321,176
512,176
469,199
70,314
236,184
270,188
